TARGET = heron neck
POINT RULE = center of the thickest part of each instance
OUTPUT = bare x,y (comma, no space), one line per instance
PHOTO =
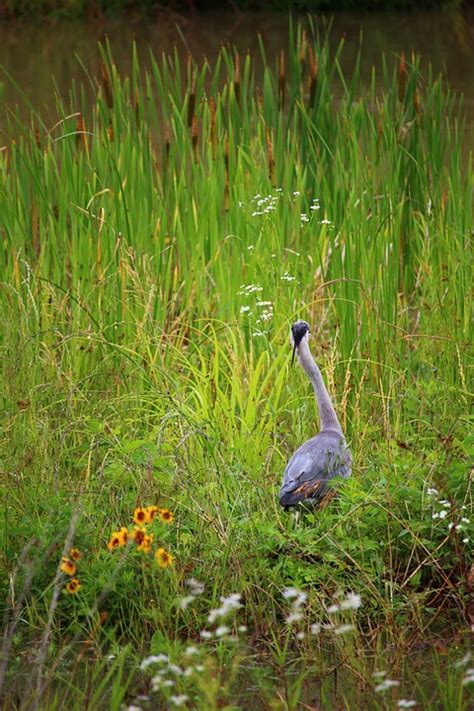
327,414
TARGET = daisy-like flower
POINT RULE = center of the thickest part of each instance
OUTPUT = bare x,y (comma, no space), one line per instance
163,558
73,586
145,545
68,567
151,512
166,516
123,536
138,535
114,541
75,553
140,516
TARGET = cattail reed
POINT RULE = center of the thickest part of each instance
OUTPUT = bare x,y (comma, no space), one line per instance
166,149
212,109
282,80
194,139
313,71
37,136
402,78
237,78
192,100
81,135
271,160
106,83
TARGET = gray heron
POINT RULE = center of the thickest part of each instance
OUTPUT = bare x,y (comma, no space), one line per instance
320,458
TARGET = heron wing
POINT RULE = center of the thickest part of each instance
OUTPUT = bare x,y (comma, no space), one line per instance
312,465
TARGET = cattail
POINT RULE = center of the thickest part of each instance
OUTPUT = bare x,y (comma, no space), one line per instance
402,78
136,97
271,160
281,80
37,136
192,101
81,135
106,83
166,149
110,132
237,78
194,139
417,102
212,109
313,72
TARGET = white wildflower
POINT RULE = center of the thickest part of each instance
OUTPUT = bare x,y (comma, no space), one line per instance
191,651
244,309
200,668
179,700
325,222
175,669
296,193
468,677
352,602
379,674
294,616
289,593
465,540
205,634
242,628
332,609
315,628
443,513
222,631
432,492
265,303
465,520
186,600
386,684
343,629
154,659
406,704
300,635
196,587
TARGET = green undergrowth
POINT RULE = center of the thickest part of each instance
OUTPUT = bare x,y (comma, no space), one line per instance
156,246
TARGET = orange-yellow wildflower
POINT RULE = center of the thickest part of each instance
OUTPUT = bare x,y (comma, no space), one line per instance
145,545
123,536
75,553
151,512
140,516
73,586
163,558
68,567
166,516
138,535
115,541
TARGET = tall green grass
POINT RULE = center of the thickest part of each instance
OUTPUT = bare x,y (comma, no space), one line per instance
156,245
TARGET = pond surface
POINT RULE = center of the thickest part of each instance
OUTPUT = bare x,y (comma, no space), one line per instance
43,55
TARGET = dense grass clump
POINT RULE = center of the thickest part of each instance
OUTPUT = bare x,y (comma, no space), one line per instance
156,245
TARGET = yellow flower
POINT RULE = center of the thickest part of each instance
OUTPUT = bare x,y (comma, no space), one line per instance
151,512
73,586
163,558
166,515
68,567
140,516
115,541
75,553
138,535
123,536
145,545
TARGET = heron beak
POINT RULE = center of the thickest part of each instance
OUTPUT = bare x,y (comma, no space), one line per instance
293,356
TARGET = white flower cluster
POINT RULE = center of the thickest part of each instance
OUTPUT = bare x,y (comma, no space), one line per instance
406,704
298,599
265,204
352,601
445,511
229,604
195,589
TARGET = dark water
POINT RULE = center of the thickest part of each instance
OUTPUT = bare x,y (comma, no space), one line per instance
40,55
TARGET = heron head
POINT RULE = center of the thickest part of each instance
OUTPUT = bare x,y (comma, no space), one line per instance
299,330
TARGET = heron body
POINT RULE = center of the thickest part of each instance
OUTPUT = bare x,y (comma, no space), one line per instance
322,457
